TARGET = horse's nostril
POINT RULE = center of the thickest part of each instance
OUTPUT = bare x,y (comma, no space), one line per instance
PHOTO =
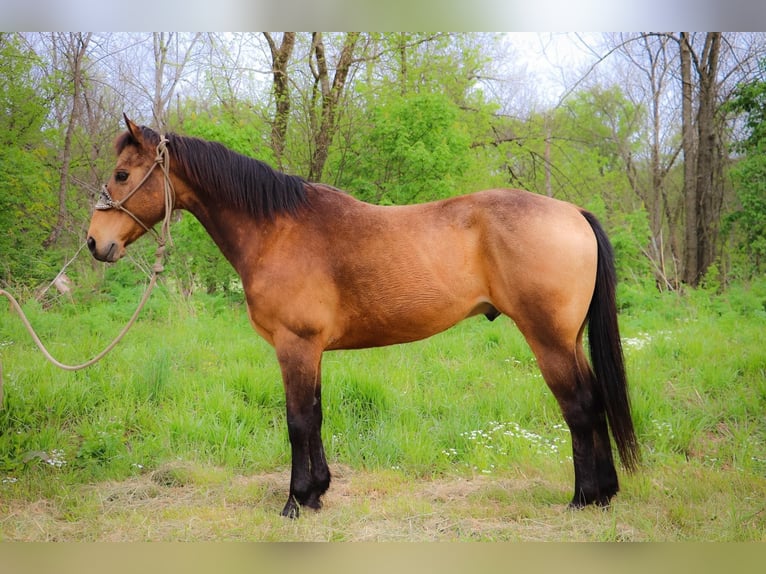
91,244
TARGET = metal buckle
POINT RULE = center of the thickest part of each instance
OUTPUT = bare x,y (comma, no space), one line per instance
105,200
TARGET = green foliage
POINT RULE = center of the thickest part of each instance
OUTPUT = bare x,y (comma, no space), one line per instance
750,99
235,125
21,99
27,213
430,63
416,150
749,175
592,133
196,260
27,208
629,234
606,120
576,152
417,127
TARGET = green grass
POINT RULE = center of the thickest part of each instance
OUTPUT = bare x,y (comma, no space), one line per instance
452,438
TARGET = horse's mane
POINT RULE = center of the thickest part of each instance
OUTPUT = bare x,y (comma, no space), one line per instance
242,182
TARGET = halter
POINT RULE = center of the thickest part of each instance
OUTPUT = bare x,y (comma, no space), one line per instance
105,201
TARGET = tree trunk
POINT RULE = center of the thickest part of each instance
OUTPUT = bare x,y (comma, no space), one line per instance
547,156
691,259
709,191
660,208
280,57
160,59
703,190
403,71
164,89
330,94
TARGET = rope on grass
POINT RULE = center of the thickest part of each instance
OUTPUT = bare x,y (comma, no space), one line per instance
156,270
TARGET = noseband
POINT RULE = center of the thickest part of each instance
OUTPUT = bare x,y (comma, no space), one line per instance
105,201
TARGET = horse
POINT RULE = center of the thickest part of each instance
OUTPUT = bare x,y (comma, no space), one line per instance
322,271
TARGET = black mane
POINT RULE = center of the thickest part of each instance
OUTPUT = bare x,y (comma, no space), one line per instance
237,180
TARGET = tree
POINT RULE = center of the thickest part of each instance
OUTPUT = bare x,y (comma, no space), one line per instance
749,172
703,193
653,61
73,48
168,70
280,58
328,93
416,126
688,80
580,150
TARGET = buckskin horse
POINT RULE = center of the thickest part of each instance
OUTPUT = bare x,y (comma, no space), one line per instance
322,270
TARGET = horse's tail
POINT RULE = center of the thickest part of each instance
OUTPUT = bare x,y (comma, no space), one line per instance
606,350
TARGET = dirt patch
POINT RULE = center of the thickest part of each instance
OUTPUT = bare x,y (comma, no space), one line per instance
182,502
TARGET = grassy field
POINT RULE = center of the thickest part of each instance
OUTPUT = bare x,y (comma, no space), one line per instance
180,435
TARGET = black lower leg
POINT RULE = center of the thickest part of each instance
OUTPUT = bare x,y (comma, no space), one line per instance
605,470
586,489
320,471
300,479
580,417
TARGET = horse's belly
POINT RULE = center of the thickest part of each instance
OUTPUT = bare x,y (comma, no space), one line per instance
404,322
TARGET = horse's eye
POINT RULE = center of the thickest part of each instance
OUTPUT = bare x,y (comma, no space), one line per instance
121,176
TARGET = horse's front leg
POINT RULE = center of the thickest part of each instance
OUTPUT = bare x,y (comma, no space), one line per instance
320,471
300,361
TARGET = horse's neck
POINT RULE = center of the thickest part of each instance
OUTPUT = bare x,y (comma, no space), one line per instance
236,233
241,236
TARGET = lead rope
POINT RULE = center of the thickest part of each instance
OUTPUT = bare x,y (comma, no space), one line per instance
162,238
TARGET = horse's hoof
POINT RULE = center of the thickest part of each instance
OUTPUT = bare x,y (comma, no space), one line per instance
578,503
291,509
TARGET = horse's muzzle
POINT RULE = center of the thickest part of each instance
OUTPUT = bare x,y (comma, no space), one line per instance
110,252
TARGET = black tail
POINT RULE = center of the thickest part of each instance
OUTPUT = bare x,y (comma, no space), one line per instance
606,350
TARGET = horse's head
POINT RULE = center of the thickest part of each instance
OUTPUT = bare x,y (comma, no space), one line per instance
135,198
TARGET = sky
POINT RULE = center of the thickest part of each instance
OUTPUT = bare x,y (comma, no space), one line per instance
553,59
539,68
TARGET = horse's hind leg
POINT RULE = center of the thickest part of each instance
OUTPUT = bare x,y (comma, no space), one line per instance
605,469
570,379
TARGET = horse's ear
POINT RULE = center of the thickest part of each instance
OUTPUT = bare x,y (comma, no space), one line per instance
135,130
